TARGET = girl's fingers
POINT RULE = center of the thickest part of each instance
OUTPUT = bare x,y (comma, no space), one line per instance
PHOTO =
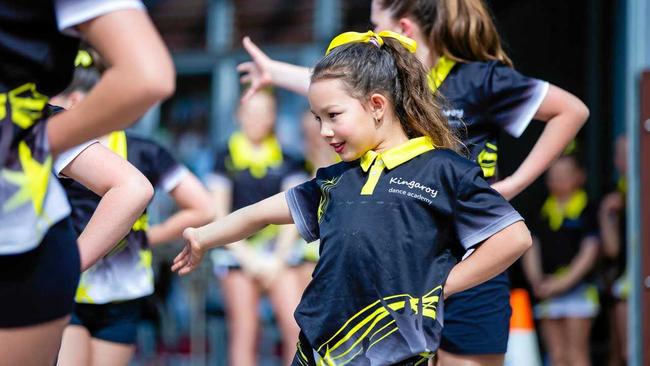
245,79
253,50
181,254
246,67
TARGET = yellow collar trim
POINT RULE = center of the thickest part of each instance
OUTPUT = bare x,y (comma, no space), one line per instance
399,154
439,73
556,213
257,160
117,143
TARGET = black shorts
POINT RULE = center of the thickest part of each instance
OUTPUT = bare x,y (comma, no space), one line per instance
39,285
113,322
477,321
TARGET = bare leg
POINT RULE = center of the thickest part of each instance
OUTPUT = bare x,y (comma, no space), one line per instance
35,345
620,310
75,346
577,332
555,339
105,353
284,294
452,359
242,297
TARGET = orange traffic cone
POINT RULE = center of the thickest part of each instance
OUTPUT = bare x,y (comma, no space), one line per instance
522,343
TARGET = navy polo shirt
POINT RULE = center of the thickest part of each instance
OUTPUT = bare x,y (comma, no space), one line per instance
391,227
483,98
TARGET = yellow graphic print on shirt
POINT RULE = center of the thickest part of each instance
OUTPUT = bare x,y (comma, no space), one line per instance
373,324
487,160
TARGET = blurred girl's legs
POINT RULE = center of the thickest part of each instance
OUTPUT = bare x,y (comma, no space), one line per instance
450,359
620,313
241,297
32,345
75,346
577,332
285,292
555,339
105,353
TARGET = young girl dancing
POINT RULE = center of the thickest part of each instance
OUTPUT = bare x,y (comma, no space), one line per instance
393,218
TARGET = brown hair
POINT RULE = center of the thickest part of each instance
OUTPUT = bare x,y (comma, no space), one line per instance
462,30
392,71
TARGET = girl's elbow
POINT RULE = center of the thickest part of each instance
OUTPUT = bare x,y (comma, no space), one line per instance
142,189
523,239
582,113
157,83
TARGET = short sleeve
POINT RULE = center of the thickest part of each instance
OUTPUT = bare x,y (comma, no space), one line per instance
513,99
65,158
156,163
479,210
70,13
303,201
219,174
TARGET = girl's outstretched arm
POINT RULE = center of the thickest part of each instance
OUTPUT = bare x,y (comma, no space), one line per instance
263,71
125,194
564,115
140,73
492,257
237,226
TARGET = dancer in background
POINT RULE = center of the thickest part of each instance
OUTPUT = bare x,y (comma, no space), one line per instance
37,246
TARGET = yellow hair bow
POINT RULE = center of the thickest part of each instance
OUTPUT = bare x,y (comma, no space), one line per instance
83,59
370,36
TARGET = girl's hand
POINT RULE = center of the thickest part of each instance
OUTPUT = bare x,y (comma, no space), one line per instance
269,270
612,204
191,255
550,287
255,72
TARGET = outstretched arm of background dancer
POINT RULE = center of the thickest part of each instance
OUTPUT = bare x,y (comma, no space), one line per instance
262,71
125,194
492,257
195,210
235,227
564,115
140,73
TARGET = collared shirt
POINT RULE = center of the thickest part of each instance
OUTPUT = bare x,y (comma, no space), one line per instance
561,230
387,243
483,98
125,273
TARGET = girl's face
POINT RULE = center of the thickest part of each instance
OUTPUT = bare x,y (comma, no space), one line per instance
382,19
564,177
257,117
345,124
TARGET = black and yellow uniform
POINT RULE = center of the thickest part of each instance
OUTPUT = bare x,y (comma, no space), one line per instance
391,227
125,274
38,251
561,230
254,173
483,98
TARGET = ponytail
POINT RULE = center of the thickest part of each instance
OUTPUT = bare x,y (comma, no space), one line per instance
461,30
